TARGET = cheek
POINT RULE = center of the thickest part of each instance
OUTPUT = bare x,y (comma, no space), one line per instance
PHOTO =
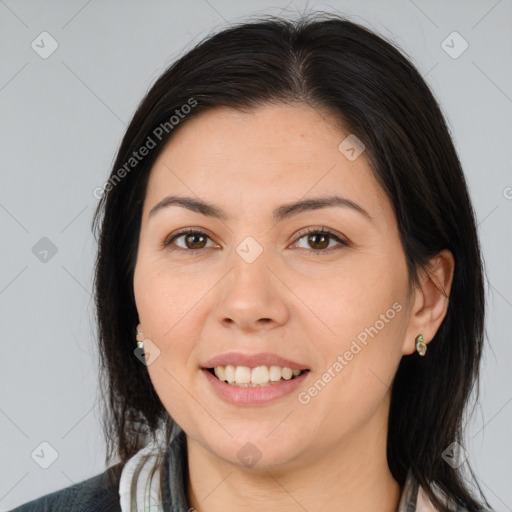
355,380
363,316
165,306
168,317
164,297
356,304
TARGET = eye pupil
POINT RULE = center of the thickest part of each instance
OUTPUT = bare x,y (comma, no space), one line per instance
192,236
322,245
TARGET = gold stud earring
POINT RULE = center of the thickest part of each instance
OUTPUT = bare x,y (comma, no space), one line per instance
421,346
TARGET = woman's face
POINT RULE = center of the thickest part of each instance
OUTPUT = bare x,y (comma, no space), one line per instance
253,282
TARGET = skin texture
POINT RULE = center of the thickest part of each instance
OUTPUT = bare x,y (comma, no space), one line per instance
302,304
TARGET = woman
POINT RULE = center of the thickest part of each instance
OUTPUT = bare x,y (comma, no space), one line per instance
289,284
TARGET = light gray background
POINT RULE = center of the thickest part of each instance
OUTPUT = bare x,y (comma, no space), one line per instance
61,122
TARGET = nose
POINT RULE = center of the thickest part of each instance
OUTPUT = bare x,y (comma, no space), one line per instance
252,295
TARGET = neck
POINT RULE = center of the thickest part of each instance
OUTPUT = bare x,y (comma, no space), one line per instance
353,475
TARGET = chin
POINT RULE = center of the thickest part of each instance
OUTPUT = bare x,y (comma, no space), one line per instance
256,450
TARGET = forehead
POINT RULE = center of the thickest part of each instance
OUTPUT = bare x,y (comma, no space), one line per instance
271,154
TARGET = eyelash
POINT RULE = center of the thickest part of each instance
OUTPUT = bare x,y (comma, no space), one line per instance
320,231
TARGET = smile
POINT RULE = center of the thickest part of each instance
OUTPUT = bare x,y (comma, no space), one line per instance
251,394
244,376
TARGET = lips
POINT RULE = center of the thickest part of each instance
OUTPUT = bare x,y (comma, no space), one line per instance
254,396
252,360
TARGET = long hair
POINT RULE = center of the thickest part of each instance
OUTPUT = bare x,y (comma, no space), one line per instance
366,82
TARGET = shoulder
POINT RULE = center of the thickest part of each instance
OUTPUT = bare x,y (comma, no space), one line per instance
100,492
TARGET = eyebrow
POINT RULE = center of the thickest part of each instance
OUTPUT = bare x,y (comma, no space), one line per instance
280,213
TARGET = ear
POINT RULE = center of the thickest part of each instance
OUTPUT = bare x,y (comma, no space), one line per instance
430,299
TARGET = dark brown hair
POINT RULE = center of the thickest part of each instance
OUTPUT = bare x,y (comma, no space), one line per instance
364,81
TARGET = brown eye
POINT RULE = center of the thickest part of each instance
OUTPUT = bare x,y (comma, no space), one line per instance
194,241
319,239
190,240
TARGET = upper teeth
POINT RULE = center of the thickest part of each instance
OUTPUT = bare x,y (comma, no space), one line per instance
258,375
